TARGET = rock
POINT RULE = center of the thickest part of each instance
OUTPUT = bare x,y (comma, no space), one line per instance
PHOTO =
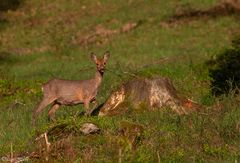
89,128
151,93
63,130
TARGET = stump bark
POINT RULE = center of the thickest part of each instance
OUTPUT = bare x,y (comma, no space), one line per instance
153,94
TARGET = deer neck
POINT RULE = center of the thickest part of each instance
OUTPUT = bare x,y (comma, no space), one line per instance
98,78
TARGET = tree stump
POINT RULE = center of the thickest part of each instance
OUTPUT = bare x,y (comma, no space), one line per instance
151,93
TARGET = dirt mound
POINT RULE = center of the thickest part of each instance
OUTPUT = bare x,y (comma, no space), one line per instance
148,94
223,9
58,142
101,34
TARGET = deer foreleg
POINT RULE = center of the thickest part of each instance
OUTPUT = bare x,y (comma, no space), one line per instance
95,104
86,105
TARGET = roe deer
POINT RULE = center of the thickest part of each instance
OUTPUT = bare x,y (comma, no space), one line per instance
71,92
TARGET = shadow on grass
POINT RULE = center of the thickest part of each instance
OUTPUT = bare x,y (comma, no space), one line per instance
7,58
3,23
95,112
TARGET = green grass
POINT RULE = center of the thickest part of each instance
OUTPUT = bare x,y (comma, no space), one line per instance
38,43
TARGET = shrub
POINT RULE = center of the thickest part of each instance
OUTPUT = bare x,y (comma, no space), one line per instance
225,70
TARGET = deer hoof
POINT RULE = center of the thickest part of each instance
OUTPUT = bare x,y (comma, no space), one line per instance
51,119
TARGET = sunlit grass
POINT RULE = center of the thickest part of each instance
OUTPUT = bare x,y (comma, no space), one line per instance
39,46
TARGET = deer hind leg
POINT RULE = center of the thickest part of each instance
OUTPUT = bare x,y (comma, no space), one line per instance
51,112
44,103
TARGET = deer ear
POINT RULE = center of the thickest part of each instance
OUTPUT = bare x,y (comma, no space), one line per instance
94,57
106,56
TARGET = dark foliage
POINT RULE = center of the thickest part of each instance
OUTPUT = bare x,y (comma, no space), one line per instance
9,4
225,70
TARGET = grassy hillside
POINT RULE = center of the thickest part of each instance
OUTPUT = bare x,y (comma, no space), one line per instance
44,39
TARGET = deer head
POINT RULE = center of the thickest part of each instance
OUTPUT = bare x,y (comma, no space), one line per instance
100,63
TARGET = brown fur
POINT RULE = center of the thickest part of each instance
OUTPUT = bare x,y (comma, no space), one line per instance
72,92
